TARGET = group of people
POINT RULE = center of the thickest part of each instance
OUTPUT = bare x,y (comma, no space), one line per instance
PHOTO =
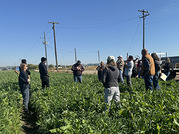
110,75
24,79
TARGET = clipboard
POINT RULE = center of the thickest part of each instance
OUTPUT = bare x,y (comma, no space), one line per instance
163,77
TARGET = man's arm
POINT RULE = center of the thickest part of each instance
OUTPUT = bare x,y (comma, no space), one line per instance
147,66
82,68
73,68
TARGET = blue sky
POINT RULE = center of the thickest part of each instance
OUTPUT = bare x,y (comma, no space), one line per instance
111,26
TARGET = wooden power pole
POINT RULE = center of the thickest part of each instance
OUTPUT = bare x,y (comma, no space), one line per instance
98,57
144,14
45,43
55,42
75,56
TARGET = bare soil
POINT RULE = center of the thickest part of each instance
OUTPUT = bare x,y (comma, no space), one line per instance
29,122
90,72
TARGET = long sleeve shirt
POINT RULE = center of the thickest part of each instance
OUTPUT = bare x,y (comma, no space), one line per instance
128,68
23,80
43,70
110,77
77,69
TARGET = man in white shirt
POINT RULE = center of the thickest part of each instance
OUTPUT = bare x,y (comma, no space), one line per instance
128,70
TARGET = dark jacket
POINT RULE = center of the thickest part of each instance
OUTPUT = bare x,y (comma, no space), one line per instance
43,70
23,77
100,69
77,72
157,66
148,66
110,77
166,67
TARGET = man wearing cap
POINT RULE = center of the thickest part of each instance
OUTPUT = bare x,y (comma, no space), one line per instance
120,66
148,69
110,81
77,69
44,73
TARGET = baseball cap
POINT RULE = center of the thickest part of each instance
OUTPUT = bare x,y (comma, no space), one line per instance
120,56
110,58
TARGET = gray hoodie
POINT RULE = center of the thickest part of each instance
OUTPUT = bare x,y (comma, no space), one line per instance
110,77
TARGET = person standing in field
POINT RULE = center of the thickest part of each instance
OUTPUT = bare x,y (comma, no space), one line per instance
44,73
18,70
157,71
24,85
167,67
128,70
77,69
100,69
110,81
148,69
120,66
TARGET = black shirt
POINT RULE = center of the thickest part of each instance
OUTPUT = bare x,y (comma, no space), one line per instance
23,77
43,70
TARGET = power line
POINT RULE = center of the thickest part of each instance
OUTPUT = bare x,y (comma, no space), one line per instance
169,5
134,36
102,24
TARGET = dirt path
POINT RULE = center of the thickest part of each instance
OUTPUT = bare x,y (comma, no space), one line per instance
29,122
177,77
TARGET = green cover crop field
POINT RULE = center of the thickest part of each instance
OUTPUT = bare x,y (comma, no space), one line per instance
69,108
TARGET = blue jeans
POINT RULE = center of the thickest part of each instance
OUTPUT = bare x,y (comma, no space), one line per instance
139,73
155,81
78,78
121,76
25,95
148,82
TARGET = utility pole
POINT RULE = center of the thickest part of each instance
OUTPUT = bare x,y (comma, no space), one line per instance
75,56
98,57
45,43
144,14
55,42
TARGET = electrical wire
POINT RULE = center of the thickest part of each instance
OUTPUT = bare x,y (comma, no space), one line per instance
134,36
98,25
